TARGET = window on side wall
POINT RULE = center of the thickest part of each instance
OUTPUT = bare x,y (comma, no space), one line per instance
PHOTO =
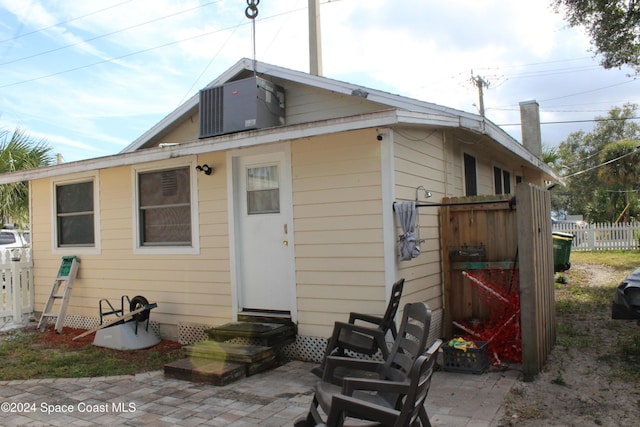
75,224
470,175
501,181
164,207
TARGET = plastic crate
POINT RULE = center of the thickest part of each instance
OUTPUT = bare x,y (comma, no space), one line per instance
474,360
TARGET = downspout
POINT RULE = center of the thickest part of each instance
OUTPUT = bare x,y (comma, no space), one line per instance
446,194
385,139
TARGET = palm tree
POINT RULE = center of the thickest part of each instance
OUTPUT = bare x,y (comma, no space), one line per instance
18,151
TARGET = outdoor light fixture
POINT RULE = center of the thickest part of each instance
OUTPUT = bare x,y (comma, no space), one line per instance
205,168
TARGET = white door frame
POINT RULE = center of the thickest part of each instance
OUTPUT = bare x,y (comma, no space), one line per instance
233,157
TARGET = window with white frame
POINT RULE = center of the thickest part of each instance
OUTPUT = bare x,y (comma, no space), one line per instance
75,224
164,207
501,181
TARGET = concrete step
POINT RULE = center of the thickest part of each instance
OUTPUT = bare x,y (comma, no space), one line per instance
219,362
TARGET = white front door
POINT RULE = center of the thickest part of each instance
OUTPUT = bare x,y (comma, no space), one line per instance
264,245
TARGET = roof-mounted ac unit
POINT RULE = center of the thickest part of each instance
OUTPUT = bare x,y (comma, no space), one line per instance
240,105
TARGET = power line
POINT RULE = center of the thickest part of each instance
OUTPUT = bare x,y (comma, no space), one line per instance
210,62
64,22
107,34
553,72
590,91
531,64
602,164
112,59
576,121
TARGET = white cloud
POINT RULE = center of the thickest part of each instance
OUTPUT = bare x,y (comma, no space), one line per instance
132,72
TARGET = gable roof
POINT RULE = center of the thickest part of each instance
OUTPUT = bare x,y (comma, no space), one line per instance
402,110
414,111
245,67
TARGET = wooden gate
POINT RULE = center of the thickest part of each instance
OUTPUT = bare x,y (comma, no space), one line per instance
496,240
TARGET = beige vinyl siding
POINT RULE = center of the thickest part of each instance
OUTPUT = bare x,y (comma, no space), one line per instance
307,104
487,155
338,229
187,288
419,160
189,130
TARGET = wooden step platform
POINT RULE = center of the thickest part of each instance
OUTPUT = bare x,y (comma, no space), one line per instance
209,371
267,334
254,358
218,361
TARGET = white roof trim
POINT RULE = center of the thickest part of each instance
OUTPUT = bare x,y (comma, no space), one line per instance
208,145
276,134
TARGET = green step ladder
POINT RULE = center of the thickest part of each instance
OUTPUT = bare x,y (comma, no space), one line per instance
61,290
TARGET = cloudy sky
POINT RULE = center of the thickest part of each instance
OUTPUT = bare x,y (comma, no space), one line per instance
91,76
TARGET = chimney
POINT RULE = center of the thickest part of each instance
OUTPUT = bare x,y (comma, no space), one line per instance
315,40
530,123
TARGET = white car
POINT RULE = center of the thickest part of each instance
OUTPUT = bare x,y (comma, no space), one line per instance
14,239
10,238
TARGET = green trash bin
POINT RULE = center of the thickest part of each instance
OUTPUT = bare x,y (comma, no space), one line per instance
561,251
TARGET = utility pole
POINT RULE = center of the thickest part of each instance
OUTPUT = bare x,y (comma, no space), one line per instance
481,84
315,40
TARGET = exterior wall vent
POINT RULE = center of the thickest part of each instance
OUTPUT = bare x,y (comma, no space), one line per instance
236,106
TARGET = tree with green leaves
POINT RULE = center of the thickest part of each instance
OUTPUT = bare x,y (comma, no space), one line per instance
612,25
620,169
18,151
601,168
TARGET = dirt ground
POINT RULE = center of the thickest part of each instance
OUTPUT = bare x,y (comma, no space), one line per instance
577,388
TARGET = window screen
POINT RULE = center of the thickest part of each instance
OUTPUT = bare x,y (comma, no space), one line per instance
74,214
165,207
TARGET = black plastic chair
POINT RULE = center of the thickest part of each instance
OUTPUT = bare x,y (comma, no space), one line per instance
339,372
368,335
366,399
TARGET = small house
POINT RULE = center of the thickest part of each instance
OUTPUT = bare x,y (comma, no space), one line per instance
271,191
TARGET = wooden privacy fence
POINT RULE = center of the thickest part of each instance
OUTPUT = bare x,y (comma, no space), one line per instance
602,236
16,267
498,274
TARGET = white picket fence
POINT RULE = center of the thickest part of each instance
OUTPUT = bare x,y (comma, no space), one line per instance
602,236
16,268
